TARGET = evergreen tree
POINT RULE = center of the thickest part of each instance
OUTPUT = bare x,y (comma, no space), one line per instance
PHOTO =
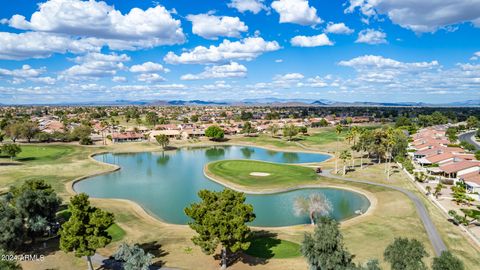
324,249
220,219
86,230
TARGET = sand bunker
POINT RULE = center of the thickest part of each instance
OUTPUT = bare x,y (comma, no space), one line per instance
259,174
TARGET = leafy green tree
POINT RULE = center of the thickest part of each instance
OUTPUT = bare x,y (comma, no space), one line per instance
11,150
11,227
29,130
14,131
248,128
86,230
37,203
369,265
6,264
246,116
477,155
447,261
290,131
303,130
472,122
194,118
273,129
215,133
134,257
2,137
80,132
324,249
321,123
220,219
163,140
405,254
403,121
151,118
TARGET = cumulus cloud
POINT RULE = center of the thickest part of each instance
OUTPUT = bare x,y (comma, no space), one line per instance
148,67
27,45
311,41
338,28
211,27
119,79
288,77
254,6
232,70
420,16
95,65
371,36
246,49
296,11
17,76
150,77
380,62
97,20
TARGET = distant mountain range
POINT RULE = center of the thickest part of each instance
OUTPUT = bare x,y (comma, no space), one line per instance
266,102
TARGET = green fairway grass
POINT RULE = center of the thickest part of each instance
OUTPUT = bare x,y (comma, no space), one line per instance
41,153
116,232
268,247
238,172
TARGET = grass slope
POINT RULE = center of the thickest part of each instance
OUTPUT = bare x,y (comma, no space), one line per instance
238,172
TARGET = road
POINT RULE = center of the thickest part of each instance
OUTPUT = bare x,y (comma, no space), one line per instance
433,235
468,137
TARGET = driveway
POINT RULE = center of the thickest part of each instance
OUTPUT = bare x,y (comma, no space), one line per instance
433,235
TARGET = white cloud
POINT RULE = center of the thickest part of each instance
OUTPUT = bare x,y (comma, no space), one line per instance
25,72
371,36
119,79
148,67
150,87
232,70
288,77
150,77
27,45
211,26
379,62
420,16
296,11
95,65
338,28
217,85
278,60
17,76
91,19
246,49
254,6
311,41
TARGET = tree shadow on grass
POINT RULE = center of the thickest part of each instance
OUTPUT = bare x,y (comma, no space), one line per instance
260,250
156,250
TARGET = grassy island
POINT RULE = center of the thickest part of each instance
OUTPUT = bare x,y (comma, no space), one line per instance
251,173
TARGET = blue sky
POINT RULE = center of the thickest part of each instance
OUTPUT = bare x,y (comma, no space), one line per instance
352,50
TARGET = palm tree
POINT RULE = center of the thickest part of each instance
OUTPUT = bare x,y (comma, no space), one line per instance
344,155
352,137
438,189
390,143
429,190
315,204
338,131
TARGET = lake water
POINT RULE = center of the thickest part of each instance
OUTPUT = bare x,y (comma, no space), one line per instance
165,183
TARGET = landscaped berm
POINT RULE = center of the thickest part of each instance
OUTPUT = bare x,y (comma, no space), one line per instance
259,174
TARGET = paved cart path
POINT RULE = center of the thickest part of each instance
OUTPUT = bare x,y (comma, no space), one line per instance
435,239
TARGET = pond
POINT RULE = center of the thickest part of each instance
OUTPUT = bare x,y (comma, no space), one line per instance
164,183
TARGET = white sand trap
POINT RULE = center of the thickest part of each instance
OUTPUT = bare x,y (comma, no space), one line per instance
259,174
